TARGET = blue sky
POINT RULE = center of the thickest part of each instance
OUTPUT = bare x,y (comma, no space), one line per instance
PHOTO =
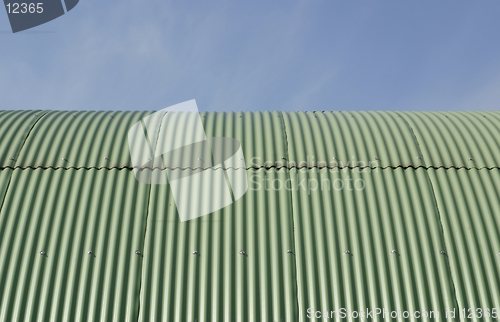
257,55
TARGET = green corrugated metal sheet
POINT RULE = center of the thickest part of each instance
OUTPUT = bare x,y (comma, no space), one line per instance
66,214
261,134
456,139
421,233
374,247
219,282
469,204
348,139
79,139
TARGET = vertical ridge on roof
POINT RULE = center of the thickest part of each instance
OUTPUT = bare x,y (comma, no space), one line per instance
292,217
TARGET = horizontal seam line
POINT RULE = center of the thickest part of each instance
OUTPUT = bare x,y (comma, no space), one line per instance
246,168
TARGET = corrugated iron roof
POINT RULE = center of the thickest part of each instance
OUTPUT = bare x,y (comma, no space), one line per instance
345,210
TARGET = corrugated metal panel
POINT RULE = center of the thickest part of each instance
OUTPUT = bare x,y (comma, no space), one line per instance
99,139
79,139
67,213
457,139
396,230
368,239
469,204
350,139
261,135
219,283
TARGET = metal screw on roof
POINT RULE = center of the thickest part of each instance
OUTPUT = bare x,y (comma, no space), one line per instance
196,252
12,158
138,253
443,252
348,252
91,253
43,253
106,158
290,252
470,159
242,252
395,252
63,159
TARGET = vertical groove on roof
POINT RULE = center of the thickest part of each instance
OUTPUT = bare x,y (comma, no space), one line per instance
143,244
292,217
469,204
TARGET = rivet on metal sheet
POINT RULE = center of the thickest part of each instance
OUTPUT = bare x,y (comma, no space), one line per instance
43,253
196,252
443,252
106,158
347,252
63,159
470,159
138,253
91,253
242,252
395,252
290,252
